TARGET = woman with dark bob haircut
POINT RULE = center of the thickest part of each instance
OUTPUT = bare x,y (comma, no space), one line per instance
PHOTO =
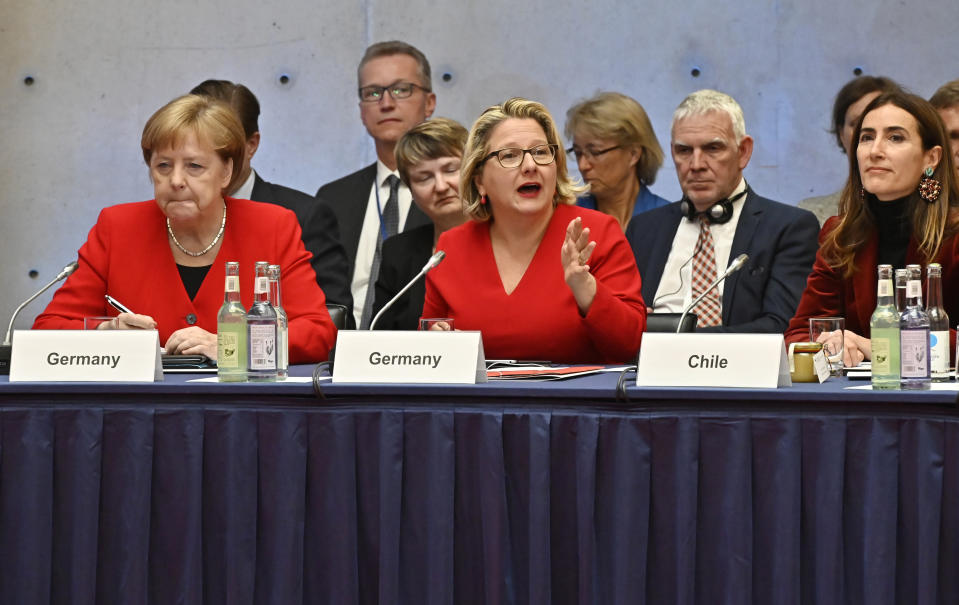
900,206
165,258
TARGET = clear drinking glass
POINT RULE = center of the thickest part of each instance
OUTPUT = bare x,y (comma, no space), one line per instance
436,323
98,322
829,331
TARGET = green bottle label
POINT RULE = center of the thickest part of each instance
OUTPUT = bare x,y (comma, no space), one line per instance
880,356
228,350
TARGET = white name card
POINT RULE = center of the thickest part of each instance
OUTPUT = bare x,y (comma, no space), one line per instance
713,360
409,357
86,356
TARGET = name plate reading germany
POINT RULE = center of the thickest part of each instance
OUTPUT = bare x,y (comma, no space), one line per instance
383,356
86,356
712,360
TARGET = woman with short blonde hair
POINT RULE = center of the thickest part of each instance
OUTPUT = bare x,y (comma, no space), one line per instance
539,277
477,149
164,258
618,155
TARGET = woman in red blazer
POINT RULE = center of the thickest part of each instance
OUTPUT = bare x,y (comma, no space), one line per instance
900,206
164,259
540,278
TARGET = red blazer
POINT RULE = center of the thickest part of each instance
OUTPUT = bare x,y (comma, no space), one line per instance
828,293
127,255
540,319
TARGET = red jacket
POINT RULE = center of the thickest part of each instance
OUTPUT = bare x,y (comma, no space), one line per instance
127,255
828,293
540,319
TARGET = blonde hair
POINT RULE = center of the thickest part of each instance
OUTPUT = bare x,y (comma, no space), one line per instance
477,148
429,140
209,119
611,115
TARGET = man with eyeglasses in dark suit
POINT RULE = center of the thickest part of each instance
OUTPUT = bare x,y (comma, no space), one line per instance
395,94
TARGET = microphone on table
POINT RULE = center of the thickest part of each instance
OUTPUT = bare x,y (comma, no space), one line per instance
734,266
431,263
7,347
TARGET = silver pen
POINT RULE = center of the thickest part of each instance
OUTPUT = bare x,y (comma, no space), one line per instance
116,304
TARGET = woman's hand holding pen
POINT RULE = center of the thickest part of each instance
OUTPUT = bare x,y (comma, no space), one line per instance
185,341
129,321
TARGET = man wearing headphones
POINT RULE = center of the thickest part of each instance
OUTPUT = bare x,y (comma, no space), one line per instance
684,247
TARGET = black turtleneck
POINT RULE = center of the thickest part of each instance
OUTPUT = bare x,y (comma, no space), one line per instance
192,278
894,229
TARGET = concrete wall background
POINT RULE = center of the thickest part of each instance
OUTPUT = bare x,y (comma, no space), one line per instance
100,69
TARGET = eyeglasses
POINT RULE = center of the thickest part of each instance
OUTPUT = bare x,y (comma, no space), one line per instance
511,157
588,153
397,90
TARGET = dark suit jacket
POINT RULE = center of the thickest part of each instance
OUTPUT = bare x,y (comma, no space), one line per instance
404,255
320,236
762,296
348,197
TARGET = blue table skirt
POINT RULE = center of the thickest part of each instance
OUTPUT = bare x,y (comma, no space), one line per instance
486,500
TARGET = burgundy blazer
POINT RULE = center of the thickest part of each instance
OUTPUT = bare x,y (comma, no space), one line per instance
828,293
127,255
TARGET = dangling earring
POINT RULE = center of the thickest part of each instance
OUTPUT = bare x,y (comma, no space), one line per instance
929,188
484,199
862,194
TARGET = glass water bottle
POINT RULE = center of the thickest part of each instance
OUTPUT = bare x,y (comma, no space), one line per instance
914,335
884,334
938,325
282,324
231,330
261,329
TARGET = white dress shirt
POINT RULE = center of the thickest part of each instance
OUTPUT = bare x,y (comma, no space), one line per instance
246,189
371,231
675,290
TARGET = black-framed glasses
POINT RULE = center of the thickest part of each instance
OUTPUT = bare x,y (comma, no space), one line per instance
397,90
588,153
511,157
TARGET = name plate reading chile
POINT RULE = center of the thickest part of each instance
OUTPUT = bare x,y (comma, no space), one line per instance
713,360
409,357
86,356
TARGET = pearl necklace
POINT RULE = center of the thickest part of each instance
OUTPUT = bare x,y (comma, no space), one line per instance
208,248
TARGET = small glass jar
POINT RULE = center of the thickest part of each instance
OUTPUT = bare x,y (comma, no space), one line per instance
802,368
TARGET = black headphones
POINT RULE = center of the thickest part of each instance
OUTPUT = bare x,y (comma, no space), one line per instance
718,214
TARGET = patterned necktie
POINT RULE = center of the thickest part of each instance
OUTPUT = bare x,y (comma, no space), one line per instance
390,218
709,310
